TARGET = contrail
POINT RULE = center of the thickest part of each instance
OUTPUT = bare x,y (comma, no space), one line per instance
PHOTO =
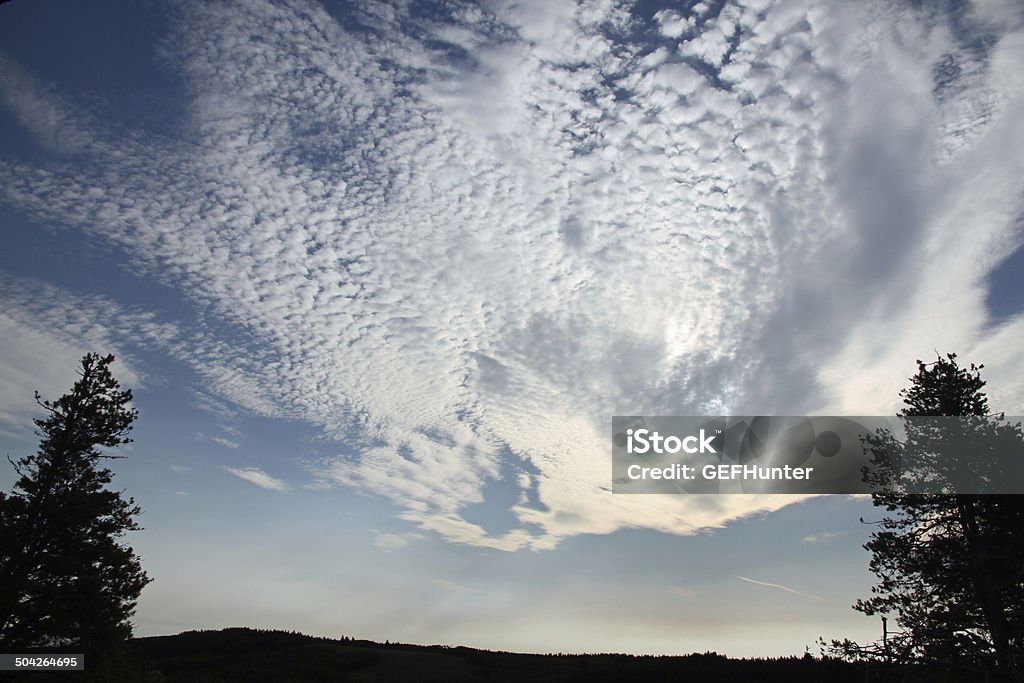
779,586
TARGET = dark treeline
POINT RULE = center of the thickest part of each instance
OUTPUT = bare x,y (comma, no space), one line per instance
250,655
254,656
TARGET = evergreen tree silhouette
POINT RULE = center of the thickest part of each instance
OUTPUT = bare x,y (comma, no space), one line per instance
950,566
65,577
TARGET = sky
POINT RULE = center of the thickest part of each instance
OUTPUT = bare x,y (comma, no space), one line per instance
380,274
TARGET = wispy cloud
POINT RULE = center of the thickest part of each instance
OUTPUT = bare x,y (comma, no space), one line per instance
255,475
39,109
780,587
390,542
30,340
822,536
226,443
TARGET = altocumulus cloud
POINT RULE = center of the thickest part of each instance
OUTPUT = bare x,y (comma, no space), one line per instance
459,241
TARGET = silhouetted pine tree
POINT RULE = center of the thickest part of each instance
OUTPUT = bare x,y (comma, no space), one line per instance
65,578
950,567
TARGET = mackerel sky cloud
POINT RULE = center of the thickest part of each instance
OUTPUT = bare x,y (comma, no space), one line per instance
455,238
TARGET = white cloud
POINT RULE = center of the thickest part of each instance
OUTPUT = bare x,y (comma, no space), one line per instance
821,536
40,110
444,257
39,356
671,24
226,443
391,542
254,475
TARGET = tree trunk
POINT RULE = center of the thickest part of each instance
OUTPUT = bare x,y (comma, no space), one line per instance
985,590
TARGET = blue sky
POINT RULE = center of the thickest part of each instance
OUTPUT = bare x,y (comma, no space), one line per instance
381,273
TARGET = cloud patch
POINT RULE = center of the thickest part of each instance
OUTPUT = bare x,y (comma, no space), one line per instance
254,475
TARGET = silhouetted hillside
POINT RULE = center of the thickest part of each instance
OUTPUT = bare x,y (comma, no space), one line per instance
241,654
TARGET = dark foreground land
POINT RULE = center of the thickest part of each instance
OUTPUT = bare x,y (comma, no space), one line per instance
252,656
